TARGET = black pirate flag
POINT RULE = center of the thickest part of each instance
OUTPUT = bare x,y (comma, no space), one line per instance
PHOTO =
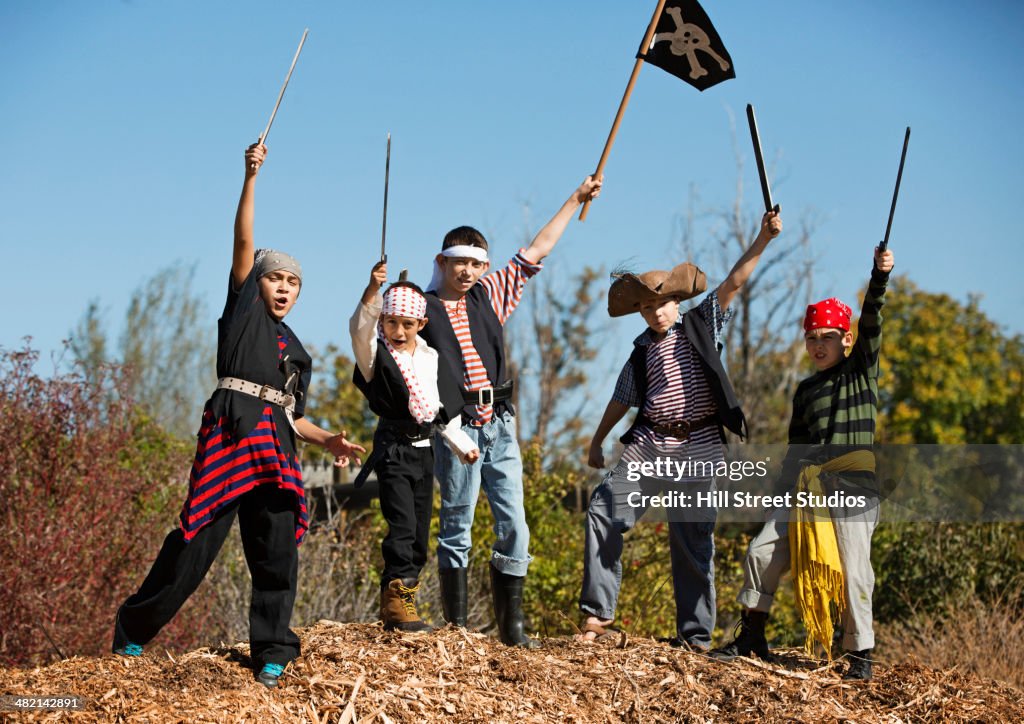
686,44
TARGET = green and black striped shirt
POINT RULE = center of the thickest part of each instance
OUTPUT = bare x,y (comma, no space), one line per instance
837,407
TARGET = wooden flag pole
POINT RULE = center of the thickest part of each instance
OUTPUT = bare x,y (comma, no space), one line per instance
266,131
384,225
625,100
896,192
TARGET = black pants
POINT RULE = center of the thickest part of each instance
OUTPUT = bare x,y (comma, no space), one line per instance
405,478
266,519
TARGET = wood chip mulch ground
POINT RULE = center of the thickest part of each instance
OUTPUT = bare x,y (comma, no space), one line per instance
359,673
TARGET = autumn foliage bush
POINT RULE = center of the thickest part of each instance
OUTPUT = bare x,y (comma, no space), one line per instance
86,486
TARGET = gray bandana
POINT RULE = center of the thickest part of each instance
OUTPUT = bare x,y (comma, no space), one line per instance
268,260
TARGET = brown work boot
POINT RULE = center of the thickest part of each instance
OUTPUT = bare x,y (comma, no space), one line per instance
398,606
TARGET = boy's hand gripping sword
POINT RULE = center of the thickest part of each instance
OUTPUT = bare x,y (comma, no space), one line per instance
384,225
896,192
756,138
266,131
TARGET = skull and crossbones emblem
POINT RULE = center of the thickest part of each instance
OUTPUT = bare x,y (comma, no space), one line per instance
686,40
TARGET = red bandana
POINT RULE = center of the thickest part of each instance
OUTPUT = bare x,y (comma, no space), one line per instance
829,313
403,301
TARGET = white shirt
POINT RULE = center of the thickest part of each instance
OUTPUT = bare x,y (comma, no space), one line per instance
363,329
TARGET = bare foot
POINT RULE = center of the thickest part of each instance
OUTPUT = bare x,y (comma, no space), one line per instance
594,628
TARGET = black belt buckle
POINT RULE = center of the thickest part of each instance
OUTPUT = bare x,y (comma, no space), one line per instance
485,397
680,430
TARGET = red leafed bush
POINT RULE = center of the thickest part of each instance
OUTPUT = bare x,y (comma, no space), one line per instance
88,487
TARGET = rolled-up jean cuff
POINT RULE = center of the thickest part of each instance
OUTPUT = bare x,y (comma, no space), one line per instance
510,566
604,615
749,598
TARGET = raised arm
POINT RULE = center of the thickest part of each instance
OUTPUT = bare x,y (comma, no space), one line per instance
547,237
242,259
362,326
869,326
771,226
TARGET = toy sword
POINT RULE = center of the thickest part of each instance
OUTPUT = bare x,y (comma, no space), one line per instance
896,192
756,138
384,225
266,131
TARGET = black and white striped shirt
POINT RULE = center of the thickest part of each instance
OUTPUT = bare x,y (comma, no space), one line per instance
677,390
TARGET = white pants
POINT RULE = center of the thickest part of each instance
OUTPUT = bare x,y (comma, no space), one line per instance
768,558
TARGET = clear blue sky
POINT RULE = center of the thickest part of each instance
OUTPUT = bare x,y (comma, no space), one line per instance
124,125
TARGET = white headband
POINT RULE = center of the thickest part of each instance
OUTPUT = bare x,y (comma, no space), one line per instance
461,251
465,251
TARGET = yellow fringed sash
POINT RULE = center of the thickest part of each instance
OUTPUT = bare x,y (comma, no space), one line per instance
817,568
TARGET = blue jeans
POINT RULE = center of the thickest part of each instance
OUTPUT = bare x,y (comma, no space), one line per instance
500,472
691,547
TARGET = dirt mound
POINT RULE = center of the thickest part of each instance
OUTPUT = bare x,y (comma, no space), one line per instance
357,672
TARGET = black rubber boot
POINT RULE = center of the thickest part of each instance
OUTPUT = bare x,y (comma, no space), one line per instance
749,640
453,595
507,592
860,666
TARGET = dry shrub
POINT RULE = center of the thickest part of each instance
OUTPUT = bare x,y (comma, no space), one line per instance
83,493
986,638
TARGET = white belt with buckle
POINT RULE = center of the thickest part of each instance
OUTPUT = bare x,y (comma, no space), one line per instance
263,392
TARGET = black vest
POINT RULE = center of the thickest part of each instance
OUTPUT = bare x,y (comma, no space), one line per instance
247,348
727,407
484,329
388,394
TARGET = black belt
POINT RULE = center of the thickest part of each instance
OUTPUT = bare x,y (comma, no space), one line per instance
488,395
391,432
410,429
682,429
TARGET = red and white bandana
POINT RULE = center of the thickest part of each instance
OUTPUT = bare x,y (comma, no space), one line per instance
419,407
828,313
403,301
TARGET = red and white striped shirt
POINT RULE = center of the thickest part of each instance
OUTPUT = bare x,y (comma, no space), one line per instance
505,290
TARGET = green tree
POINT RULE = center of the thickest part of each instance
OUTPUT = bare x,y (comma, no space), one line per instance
949,375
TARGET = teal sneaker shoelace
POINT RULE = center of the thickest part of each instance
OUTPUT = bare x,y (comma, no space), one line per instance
274,670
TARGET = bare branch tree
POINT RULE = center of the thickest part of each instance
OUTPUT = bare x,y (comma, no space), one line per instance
762,348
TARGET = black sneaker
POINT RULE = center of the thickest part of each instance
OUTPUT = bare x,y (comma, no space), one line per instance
860,666
750,639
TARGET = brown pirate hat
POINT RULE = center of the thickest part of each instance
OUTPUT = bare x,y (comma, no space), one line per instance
629,291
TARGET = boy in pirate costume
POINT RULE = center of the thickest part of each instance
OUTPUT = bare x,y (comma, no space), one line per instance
245,463
676,379
400,376
467,312
830,436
